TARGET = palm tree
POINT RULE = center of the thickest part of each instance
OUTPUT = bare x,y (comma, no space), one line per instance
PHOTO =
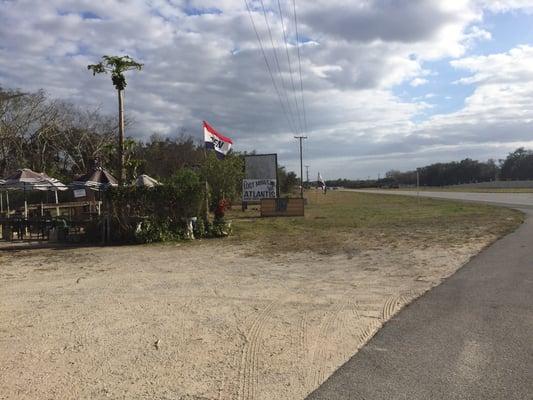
117,65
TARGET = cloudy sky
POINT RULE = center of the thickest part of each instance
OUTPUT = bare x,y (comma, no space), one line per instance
387,84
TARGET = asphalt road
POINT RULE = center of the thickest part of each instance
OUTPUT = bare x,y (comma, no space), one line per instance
469,338
516,200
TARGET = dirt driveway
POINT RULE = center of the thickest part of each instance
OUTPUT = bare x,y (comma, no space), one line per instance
198,321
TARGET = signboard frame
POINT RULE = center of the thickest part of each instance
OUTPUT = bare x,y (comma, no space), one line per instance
248,176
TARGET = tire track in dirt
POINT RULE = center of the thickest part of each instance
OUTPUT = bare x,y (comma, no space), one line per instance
304,339
396,302
363,331
248,375
318,355
331,324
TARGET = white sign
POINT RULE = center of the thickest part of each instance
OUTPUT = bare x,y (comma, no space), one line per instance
257,189
79,193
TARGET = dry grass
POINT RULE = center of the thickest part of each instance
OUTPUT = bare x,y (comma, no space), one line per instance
348,221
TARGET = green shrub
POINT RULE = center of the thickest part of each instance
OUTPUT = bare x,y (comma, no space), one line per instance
159,213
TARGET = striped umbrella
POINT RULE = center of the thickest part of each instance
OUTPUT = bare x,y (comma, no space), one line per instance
26,179
97,179
146,181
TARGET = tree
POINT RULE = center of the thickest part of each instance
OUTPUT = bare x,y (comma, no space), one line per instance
224,177
287,181
518,165
117,65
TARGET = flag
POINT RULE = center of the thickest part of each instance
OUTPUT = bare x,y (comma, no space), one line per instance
321,182
215,141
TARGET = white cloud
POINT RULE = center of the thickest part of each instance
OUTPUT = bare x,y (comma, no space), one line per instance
418,82
507,5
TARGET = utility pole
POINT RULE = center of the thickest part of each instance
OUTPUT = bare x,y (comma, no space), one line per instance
300,138
418,185
307,174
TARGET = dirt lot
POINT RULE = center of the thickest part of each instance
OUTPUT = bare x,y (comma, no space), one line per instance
209,320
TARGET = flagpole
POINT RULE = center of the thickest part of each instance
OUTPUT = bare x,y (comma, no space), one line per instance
206,188
206,216
221,145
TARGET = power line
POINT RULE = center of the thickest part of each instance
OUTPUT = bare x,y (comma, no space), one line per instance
280,73
268,68
290,65
299,63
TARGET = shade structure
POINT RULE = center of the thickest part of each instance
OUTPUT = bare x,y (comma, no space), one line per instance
146,181
97,179
26,179
51,184
54,185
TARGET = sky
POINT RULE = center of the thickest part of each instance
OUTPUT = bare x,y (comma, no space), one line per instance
378,84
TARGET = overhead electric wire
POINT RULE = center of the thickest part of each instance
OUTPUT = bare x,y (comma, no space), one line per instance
280,73
299,64
269,69
290,66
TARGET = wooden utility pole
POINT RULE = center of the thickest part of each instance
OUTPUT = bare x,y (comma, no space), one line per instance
300,138
307,174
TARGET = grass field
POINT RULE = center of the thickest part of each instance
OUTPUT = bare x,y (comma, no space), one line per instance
344,221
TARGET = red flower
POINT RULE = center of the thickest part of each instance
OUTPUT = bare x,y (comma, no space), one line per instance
222,206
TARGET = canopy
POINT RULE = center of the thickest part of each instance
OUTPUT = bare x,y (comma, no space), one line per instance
51,184
97,179
146,181
26,179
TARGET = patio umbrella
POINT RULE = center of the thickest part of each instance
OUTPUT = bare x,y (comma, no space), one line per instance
97,179
23,179
26,179
146,181
54,185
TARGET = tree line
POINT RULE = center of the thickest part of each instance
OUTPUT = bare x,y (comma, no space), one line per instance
518,165
451,173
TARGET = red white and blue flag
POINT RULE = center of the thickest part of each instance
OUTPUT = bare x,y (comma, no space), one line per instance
215,141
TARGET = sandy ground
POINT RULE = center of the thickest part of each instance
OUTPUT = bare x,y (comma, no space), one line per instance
202,321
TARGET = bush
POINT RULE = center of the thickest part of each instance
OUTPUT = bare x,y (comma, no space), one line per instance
150,231
159,213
